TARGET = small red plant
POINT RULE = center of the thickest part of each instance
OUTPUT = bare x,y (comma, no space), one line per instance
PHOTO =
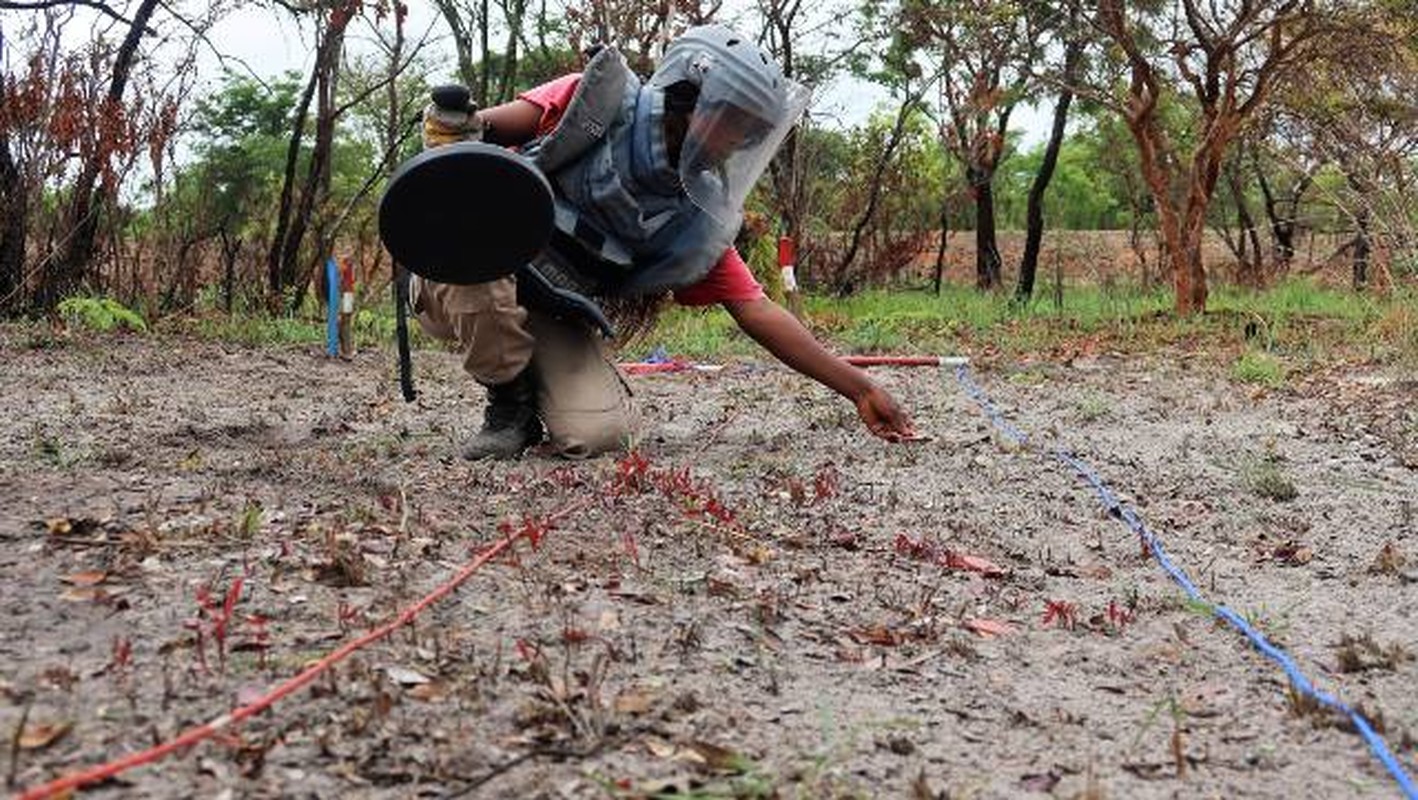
218,618
825,484
919,549
121,656
528,651
1062,612
1120,616
260,638
531,528
345,614
566,477
631,548
632,472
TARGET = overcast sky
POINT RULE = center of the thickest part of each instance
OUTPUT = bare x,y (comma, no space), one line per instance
271,43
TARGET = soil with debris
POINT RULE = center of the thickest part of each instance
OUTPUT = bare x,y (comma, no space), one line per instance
763,601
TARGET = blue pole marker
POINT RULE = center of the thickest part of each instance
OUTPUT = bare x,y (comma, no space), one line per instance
332,307
1299,682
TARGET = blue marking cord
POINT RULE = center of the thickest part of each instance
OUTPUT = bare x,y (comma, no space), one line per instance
1298,681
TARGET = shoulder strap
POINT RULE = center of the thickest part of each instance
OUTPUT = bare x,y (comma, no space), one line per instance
592,110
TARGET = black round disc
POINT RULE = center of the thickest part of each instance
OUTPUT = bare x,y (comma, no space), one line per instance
465,213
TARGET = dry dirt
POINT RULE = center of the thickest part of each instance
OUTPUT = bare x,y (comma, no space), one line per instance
768,604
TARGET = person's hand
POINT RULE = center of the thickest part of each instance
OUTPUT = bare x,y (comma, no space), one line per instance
883,417
444,126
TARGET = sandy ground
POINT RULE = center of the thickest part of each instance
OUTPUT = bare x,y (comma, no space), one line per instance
766,602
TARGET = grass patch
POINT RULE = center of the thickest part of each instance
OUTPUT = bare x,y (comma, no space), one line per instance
374,327
1265,478
1289,327
692,333
1259,368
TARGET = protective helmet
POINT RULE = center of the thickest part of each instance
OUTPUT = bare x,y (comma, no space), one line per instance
744,110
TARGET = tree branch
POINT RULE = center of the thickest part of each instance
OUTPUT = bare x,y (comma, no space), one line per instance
97,5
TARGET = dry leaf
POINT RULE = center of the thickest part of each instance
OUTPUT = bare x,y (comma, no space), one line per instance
1389,561
712,757
91,577
42,735
877,635
1293,554
759,554
633,702
59,526
406,677
83,594
430,692
659,748
1044,782
988,628
969,563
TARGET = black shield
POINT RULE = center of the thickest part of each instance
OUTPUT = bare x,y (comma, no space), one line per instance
465,213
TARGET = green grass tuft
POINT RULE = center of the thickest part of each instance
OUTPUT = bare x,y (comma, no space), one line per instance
100,314
1259,368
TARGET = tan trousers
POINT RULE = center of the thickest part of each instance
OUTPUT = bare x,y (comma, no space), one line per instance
582,400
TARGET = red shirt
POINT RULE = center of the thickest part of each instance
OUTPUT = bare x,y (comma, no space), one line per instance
728,280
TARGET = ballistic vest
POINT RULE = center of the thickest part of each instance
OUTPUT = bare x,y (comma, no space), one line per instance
623,223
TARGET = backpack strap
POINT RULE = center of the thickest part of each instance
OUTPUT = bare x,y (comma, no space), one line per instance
594,107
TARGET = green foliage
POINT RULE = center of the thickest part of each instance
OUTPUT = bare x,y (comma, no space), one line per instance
693,333
102,314
1298,319
1259,368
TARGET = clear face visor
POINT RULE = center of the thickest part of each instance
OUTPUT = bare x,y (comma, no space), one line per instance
727,149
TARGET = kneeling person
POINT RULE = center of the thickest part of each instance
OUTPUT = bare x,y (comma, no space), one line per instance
663,184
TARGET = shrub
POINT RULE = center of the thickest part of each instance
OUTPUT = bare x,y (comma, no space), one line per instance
101,314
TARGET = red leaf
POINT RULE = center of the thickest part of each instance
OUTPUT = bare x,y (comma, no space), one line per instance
970,563
988,628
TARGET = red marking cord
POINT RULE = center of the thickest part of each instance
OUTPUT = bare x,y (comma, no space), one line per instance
678,365
194,735
653,368
902,361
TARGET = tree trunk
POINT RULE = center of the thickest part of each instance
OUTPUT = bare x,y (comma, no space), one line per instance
231,246
462,41
284,259
1034,228
87,200
1363,246
1249,271
275,275
1283,221
874,190
317,182
940,246
987,258
14,221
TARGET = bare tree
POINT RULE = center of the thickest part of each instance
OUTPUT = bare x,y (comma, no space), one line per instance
1230,56
294,215
88,195
1356,109
1074,41
986,53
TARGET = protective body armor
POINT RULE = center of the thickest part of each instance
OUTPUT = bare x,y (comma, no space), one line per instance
623,223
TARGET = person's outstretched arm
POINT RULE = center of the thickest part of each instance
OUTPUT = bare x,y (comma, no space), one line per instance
781,334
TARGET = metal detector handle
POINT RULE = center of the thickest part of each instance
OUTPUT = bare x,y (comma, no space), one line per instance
401,328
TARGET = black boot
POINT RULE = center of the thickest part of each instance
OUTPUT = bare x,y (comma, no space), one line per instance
510,423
